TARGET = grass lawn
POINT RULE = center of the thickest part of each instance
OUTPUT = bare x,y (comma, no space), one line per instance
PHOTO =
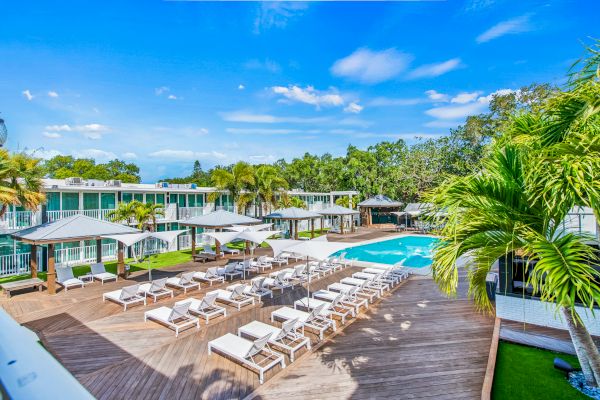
528,373
318,233
156,261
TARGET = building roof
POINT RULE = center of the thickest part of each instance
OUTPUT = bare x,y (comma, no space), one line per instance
380,201
77,227
219,219
337,210
293,213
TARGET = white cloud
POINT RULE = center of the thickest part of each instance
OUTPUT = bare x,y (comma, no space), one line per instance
499,92
442,124
202,131
186,154
159,91
96,154
509,27
277,14
465,97
369,66
241,87
435,69
58,128
27,94
436,96
353,108
129,156
43,153
387,101
52,135
249,117
172,97
352,121
266,65
309,95
52,94
89,131
267,131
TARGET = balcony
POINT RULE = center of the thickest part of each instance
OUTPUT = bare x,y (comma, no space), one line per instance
98,214
20,219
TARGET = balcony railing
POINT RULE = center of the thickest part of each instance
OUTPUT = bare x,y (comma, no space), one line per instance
14,264
98,214
20,219
190,212
84,255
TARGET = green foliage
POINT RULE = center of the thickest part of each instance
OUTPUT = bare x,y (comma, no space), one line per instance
286,201
20,181
142,214
236,179
528,373
61,167
345,201
198,176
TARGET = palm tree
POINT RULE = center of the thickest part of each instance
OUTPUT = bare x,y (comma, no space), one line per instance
286,201
125,212
20,181
236,181
269,183
145,215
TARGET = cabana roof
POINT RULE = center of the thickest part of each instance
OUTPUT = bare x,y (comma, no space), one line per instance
77,227
219,219
380,201
293,213
337,210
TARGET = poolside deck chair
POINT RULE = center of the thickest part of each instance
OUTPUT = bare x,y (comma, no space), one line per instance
226,249
262,263
253,354
324,267
350,298
360,290
155,289
299,275
363,283
278,281
99,272
207,249
176,318
257,289
288,255
331,308
125,296
375,281
387,275
209,276
185,281
65,278
341,260
205,308
286,338
229,271
279,260
247,266
314,319
235,297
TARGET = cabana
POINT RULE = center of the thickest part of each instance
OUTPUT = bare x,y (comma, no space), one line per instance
413,210
216,220
340,211
378,209
293,215
75,228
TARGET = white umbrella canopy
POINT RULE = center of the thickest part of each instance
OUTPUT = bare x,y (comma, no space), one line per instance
128,239
317,249
281,245
252,228
167,236
256,236
222,237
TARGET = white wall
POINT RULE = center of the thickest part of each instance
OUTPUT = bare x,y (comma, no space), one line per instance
541,313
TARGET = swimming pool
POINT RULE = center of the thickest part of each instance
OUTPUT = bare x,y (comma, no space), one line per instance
410,251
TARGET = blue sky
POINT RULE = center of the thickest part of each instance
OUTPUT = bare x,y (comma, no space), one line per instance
165,83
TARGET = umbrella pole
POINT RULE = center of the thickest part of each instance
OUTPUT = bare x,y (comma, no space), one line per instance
308,282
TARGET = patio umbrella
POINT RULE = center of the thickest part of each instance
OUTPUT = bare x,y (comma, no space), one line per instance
256,237
241,228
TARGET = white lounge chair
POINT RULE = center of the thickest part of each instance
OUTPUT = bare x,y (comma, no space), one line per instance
262,263
209,276
235,297
374,281
65,278
208,250
360,290
386,275
247,266
313,319
206,308
342,260
363,283
299,275
99,272
253,354
286,337
125,296
176,318
185,281
229,271
155,289
330,307
228,250
257,289
278,281
288,255
350,298
279,260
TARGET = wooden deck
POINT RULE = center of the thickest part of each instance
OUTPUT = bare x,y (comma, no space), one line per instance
414,344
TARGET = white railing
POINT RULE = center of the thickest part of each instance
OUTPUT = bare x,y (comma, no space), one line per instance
190,212
581,220
185,242
14,264
84,255
20,219
170,213
226,208
98,214
150,246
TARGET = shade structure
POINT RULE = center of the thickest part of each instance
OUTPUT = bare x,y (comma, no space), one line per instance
294,214
222,237
377,209
77,227
219,219
240,228
280,245
316,249
380,201
340,211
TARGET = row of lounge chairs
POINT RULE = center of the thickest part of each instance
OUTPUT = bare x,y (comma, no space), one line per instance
253,345
66,278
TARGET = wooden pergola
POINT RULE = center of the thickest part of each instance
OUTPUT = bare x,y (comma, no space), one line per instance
339,211
293,215
377,203
71,229
217,220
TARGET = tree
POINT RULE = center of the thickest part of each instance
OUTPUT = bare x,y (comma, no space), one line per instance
269,183
61,167
286,201
236,181
345,201
125,212
145,215
20,181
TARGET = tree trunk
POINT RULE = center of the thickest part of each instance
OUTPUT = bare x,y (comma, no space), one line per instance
3,210
586,349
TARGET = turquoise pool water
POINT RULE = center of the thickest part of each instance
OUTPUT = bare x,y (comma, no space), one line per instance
411,251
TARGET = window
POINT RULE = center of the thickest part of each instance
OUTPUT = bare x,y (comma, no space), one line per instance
150,198
139,197
181,200
91,201
107,201
200,200
70,201
191,200
173,198
160,198
53,201
161,227
126,198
